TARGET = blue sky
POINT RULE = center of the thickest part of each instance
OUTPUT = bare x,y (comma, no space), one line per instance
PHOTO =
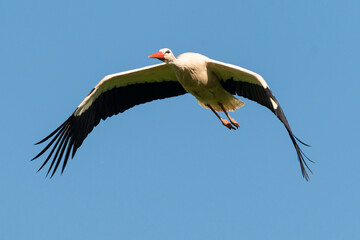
169,169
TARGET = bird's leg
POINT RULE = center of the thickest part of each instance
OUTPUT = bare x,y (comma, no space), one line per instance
223,121
233,122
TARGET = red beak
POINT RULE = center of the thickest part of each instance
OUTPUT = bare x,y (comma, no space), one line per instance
158,55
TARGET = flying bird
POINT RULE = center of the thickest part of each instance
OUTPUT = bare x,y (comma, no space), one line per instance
211,82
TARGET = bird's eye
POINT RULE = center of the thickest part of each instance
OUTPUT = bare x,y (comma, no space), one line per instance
168,51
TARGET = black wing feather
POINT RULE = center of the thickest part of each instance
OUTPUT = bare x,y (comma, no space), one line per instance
71,134
263,96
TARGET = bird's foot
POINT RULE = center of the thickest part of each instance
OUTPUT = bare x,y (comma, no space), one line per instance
227,124
235,123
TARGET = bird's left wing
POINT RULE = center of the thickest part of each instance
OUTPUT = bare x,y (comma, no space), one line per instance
112,95
245,83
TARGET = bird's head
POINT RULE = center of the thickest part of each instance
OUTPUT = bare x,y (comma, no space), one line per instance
164,55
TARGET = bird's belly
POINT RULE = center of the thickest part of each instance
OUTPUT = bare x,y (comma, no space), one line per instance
207,95
205,89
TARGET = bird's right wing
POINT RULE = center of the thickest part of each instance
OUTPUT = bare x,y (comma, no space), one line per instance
112,95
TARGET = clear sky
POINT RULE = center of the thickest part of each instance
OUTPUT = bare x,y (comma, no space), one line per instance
169,169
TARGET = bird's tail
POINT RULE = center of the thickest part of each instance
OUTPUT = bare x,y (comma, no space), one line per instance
229,106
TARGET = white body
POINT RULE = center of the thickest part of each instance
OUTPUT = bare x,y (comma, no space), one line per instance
192,73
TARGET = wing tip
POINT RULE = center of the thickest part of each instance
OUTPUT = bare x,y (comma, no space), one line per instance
59,142
302,157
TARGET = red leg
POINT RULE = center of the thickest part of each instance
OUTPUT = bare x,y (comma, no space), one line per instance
223,121
233,122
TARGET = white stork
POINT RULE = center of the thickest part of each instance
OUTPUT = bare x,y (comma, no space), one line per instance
211,82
